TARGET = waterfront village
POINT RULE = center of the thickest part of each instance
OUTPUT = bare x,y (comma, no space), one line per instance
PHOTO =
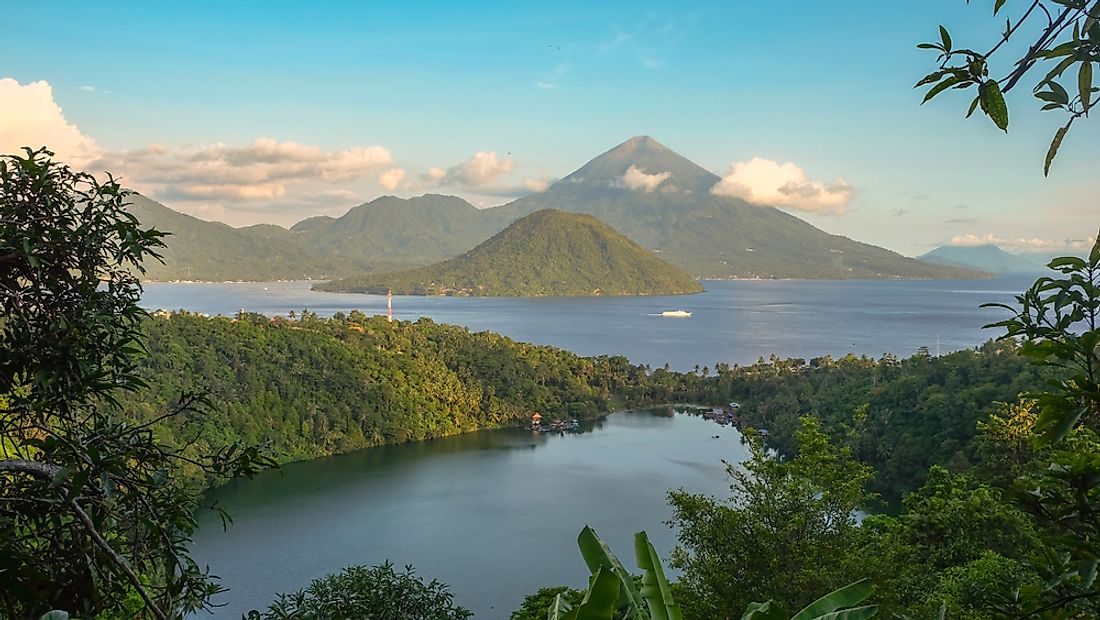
730,415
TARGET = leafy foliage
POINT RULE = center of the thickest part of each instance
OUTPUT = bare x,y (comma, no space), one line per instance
1059,321
786,531
900,416
1066,33
310,387
375,593
90,512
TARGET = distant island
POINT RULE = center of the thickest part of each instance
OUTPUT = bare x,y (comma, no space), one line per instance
547,253
989,258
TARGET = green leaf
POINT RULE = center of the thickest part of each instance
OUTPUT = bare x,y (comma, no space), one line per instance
973,106
997,6
1067,261
655,588
1084,85
931,77
601,599
764,611
557,609
1056,88
598,555
993,104
849,595
1087,572
946,38
939,88
1054,146
858,613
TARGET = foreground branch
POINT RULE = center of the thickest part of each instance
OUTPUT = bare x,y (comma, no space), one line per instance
46,471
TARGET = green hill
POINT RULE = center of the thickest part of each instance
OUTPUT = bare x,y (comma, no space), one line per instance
549,252
202,250
384,234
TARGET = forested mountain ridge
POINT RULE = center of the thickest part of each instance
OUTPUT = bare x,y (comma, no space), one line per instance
672,212
386,233
549,252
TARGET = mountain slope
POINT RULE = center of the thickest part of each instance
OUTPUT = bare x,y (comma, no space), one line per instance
707,235
387,233
419,230
989,258
201,250
549,252
983,257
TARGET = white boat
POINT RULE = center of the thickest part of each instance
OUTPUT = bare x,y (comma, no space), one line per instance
676,313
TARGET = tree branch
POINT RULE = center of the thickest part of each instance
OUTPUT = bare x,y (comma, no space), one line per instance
47,471
116,558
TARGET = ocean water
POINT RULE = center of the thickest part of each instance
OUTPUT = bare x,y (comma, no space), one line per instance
735,322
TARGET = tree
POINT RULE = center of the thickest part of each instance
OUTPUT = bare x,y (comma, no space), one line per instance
1058,321
1062,33
375,593
784,534
91,513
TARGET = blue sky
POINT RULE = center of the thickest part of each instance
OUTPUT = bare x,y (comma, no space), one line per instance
344,93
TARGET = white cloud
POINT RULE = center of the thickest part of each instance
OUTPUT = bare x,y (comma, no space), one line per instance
634,178
1023,244
32,118
551,81
264,170
538,185
766,182
481,170
391,179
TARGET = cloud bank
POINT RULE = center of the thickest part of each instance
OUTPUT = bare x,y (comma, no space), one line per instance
481,170
766,182
32,118
1022,244
263,170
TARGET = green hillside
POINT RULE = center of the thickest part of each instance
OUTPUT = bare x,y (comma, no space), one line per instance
384,234
549,252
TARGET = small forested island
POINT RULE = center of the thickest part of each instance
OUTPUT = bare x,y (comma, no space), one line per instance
547,253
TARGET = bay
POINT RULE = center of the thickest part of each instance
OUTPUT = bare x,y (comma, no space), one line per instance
494,514
735,322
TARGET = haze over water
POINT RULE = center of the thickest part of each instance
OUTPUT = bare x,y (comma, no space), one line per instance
735,322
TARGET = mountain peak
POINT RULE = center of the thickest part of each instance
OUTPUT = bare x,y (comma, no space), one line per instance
643,164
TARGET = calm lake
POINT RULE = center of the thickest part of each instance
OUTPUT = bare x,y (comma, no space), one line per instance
733,321
496,514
